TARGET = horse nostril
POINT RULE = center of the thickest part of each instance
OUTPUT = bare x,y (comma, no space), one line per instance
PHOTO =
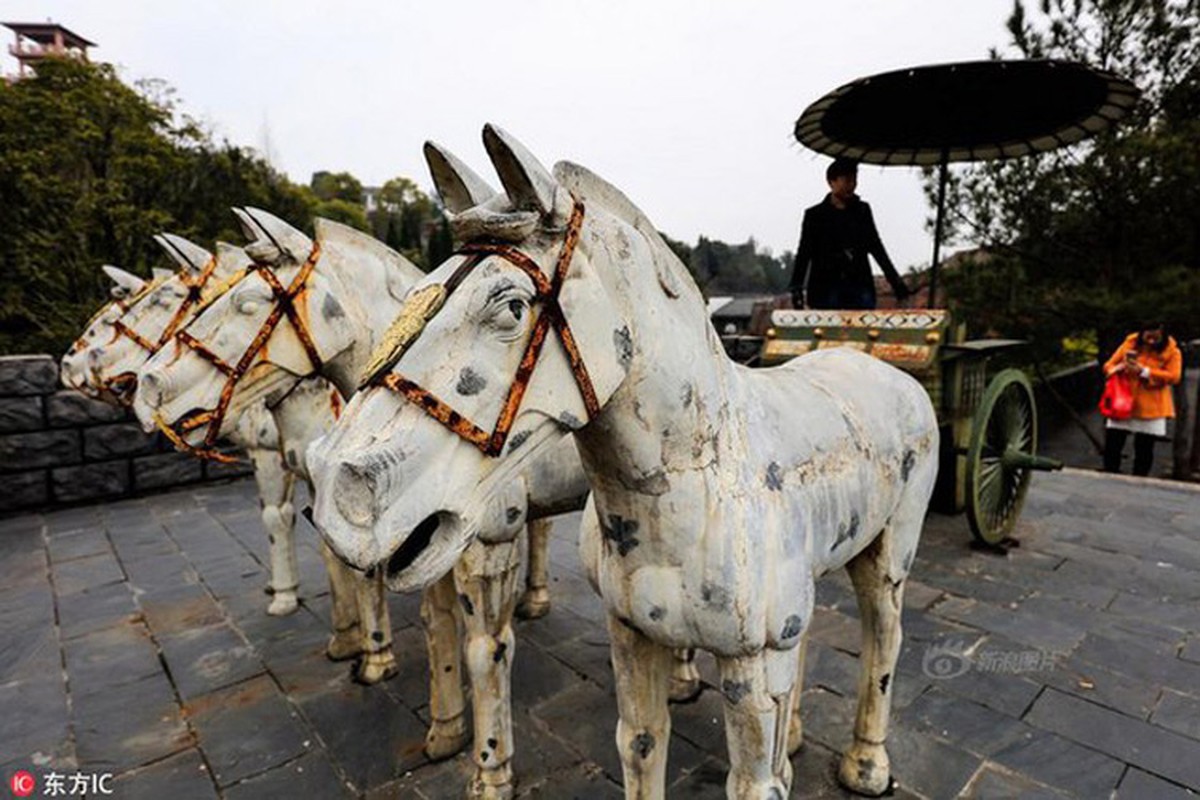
354,495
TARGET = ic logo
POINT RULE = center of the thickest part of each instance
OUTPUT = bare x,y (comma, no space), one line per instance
22,783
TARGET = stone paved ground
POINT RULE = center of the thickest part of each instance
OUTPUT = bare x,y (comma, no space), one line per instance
133,641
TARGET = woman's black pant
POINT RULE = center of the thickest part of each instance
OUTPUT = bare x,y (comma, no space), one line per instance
1143,451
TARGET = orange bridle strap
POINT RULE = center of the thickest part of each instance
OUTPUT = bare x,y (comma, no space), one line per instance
284,306
195,291
547,294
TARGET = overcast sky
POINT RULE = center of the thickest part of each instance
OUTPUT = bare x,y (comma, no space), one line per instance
686,106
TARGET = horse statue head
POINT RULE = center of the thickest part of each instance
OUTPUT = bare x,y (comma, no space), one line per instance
298,310
510,344
143,316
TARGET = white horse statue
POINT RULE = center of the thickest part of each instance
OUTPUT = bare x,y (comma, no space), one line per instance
104,361
346,296
718,493
360,620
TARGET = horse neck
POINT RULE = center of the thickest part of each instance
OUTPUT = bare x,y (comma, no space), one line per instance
676,353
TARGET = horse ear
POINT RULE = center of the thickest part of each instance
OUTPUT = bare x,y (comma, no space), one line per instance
458,185
186,254
290,241
230,259
529,185
125,283
249,227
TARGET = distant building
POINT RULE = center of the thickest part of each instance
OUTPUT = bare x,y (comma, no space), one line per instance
40,40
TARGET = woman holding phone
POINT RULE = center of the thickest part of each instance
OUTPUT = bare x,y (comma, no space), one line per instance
1152,363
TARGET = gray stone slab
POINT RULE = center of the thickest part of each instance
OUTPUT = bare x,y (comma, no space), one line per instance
183,776
1191,650
1063,764
1178,713
1139,743
90,481
35,717
1138,785
1139,662
82,574
28,374
341,712
995,783
69,408
174,610
1099,685
99,661
96,609
26,451
1030,629
969,726
128,725
310,776
247,729
536,675
20,414
204,659
1160,610
927,766
80,545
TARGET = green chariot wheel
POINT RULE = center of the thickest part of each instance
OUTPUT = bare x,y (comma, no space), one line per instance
1001,456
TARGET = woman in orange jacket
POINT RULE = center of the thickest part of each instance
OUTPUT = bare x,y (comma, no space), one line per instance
1152,362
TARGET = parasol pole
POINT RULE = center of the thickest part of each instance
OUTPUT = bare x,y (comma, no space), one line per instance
937,229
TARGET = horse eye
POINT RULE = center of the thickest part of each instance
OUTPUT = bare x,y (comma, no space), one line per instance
516,307
247,306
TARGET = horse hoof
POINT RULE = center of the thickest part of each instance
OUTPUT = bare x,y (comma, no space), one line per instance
376,667
283,603
344,646
446,738
492,784
534,604
865,770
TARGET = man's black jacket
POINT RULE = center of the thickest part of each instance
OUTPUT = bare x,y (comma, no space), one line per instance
833,249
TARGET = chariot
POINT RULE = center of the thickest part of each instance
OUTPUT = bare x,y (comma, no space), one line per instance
988,424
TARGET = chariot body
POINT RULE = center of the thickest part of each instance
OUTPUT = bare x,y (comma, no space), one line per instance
988,425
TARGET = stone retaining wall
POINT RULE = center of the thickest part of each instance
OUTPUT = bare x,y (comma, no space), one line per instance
59,447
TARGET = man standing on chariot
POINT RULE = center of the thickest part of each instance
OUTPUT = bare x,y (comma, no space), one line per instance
831,268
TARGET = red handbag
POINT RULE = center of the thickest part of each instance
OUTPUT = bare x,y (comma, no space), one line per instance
1117,400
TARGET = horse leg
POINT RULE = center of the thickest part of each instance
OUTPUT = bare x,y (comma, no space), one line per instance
447,704
642,669
346,641
879,584
685,678
758,706
486,578
275,489
535,602
795,726
378,662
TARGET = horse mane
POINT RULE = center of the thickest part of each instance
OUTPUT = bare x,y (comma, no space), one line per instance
351,239
589,187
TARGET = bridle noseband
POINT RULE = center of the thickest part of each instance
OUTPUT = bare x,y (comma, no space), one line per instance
284,306
547,294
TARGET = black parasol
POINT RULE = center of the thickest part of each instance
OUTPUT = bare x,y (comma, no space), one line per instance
972,111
